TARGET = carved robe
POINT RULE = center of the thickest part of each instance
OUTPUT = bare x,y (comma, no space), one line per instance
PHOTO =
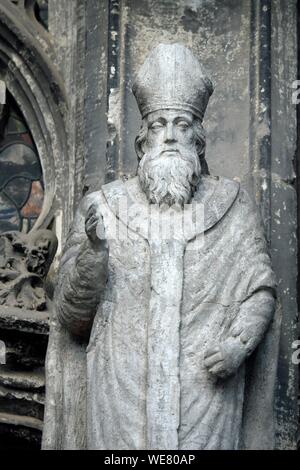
141,382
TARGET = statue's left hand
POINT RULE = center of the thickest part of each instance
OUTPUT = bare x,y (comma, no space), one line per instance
225,358
94,226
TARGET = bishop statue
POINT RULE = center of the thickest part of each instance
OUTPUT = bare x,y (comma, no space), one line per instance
161,335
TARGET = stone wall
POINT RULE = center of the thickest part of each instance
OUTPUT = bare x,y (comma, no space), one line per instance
249,47
250,50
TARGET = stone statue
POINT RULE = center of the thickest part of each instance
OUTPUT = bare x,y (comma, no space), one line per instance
173,323
25,259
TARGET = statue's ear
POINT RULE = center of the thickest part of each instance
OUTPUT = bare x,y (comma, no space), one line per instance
138,145
141,139
200,148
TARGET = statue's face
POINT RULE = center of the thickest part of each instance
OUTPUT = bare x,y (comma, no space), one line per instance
168,130
169,169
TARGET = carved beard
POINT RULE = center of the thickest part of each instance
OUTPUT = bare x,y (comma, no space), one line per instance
169,179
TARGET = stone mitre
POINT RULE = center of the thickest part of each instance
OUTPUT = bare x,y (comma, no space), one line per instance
172,78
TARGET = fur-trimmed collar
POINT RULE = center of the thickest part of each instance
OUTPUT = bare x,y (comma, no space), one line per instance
211,201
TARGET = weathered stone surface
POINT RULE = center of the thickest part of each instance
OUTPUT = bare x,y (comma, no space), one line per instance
25,260
19,432
24,380
224,48
23,320
96,62
17,420
285,212
24,403
83,33
172,321
28,68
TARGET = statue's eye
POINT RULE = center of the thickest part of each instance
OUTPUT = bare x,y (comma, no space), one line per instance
183,124
156,125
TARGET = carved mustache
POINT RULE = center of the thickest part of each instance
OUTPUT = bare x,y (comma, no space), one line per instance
170,151
181,152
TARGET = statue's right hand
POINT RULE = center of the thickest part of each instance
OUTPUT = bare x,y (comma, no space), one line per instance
224,359
94,226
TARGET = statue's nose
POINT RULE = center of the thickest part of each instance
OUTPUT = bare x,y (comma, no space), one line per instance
169,133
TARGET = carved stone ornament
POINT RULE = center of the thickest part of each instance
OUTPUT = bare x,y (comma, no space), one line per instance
162,335
24,263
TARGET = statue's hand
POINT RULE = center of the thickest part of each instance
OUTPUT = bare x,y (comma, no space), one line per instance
225,358
94,227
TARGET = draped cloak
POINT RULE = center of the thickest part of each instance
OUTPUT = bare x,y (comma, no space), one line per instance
141,382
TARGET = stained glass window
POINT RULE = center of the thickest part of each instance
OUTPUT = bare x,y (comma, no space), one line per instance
21,180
